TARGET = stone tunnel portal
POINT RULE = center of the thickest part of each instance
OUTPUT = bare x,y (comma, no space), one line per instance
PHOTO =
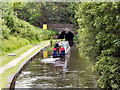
67,36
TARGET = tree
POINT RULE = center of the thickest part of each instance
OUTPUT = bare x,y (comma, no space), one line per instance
99,36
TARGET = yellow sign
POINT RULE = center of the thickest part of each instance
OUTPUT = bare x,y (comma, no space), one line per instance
45,54
44,26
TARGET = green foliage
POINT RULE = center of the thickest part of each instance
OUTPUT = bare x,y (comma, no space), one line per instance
15,32
5,31
23,33
75,39
108,67
7,13
38,13
117,43
13,43
99,37
25,30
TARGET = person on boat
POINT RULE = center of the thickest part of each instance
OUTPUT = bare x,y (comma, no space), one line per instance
57,47
62,50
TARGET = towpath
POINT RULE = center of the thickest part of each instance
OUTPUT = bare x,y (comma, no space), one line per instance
15,61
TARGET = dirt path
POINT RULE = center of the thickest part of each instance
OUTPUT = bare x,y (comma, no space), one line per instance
17,60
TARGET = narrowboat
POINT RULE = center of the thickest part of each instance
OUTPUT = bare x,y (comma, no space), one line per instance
60,49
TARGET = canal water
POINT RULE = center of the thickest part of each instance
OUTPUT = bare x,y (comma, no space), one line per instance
76,72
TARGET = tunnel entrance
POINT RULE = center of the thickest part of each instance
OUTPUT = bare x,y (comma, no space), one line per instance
68,36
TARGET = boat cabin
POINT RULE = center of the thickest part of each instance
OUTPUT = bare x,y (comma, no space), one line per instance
61,48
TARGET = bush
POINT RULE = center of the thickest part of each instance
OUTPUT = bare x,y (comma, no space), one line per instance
5,31
25,30
99,38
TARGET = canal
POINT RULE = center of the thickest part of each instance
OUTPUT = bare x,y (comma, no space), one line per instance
77,74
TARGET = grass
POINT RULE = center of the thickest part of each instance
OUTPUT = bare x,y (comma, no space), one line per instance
7,59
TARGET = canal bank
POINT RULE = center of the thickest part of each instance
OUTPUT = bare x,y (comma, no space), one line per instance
9,72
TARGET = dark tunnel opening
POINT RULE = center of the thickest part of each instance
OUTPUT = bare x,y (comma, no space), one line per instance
67,36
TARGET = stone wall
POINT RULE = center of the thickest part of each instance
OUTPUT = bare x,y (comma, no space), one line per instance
61,27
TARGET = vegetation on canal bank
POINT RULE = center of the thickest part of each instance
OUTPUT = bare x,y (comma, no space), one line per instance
16,33
99,38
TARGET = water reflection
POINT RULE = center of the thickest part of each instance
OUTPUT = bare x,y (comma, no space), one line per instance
70,72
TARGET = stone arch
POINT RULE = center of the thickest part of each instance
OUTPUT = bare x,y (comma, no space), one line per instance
66,30
67,35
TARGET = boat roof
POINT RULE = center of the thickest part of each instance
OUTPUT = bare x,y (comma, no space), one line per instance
63,43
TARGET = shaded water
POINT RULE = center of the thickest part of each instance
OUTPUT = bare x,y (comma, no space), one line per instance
77,74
